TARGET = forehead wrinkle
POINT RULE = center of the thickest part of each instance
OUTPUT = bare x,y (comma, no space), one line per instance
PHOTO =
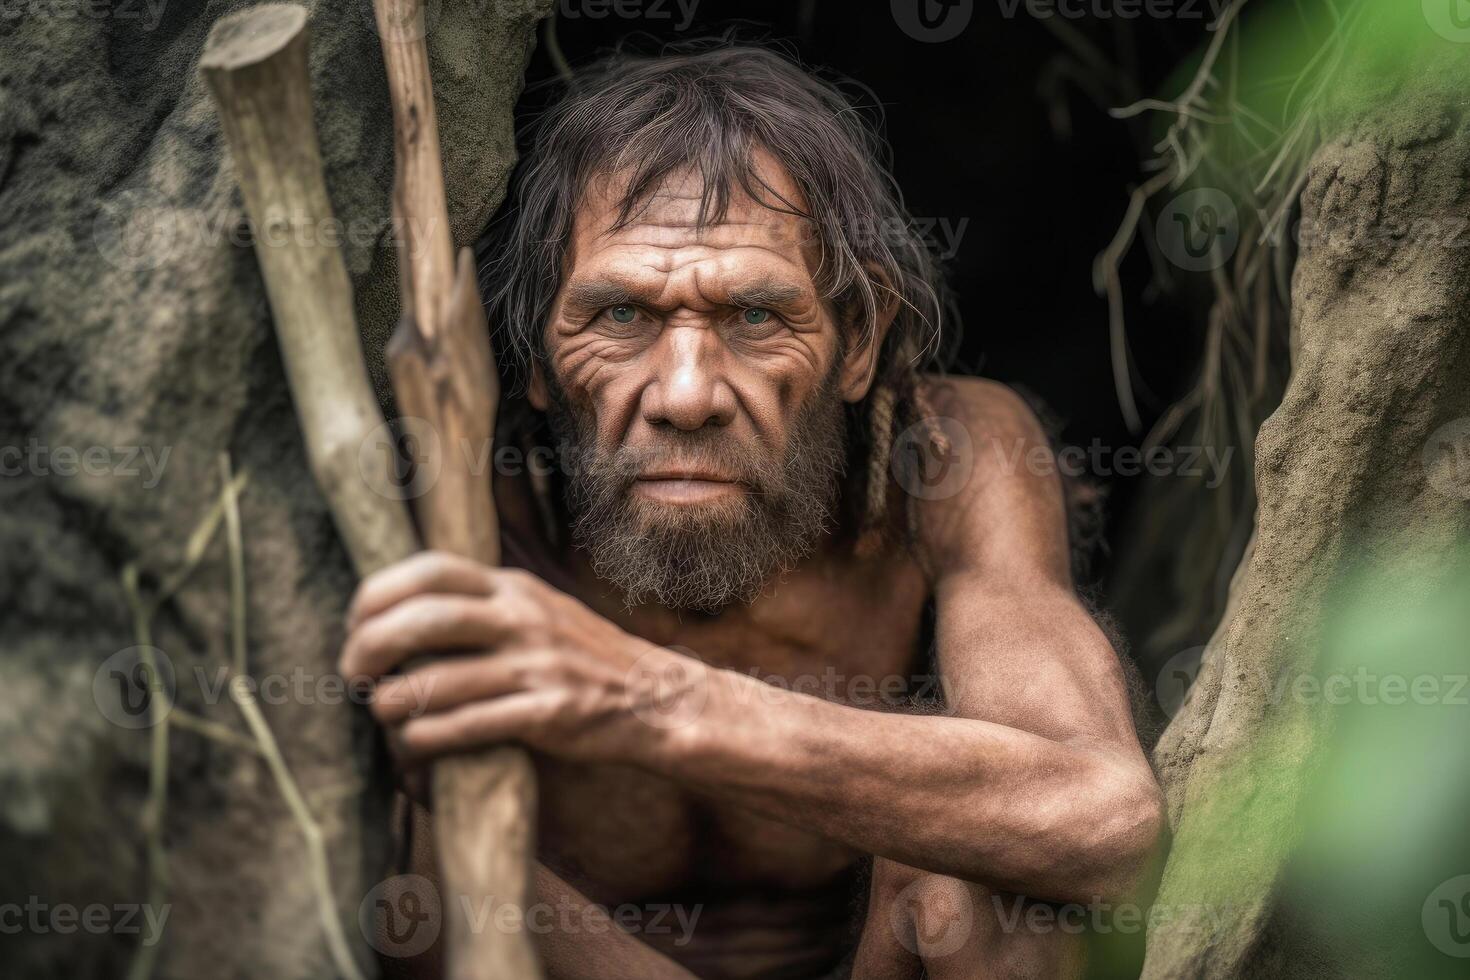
727,280
663,259
610,283
680,214
723,234
657,276
772,192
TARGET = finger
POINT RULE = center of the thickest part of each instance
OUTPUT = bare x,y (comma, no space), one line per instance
453,681
518,717
421,624
427,571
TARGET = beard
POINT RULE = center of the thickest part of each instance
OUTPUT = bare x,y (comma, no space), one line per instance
708,556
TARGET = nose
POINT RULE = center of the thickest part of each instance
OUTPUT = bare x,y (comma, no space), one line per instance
689,390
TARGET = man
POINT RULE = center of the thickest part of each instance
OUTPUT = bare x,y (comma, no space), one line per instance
711,291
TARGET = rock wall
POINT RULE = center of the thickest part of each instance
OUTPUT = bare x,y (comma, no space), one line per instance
1364,466
135,348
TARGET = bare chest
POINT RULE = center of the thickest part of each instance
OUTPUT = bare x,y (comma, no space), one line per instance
840,629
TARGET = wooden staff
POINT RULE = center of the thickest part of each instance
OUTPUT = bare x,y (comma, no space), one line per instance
255,65
254,62
443,372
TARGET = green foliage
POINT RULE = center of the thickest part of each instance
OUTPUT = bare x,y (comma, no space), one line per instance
1384,830
1351,796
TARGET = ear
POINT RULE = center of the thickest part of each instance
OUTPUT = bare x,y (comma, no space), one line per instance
860,362
536,392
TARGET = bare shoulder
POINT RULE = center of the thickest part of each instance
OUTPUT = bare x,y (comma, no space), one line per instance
1001,506
991,408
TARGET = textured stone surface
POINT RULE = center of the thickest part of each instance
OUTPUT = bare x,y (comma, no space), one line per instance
116,336
1381,336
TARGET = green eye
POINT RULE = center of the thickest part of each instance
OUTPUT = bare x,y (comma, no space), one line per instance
756,316
623,314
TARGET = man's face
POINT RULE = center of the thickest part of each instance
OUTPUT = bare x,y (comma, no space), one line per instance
698,378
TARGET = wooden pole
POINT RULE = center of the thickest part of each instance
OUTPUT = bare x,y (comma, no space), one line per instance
254,63
443,372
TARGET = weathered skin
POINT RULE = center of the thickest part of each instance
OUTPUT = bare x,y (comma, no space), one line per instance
758,805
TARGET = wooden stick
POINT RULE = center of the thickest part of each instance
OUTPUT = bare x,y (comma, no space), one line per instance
254,62
420,208
443,373
255,66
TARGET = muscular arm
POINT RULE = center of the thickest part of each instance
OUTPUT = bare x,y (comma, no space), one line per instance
1033,780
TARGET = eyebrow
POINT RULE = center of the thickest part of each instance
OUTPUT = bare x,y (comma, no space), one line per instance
765,294
597,294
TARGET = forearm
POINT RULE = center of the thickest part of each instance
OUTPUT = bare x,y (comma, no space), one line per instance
953,795
593,947
574,936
